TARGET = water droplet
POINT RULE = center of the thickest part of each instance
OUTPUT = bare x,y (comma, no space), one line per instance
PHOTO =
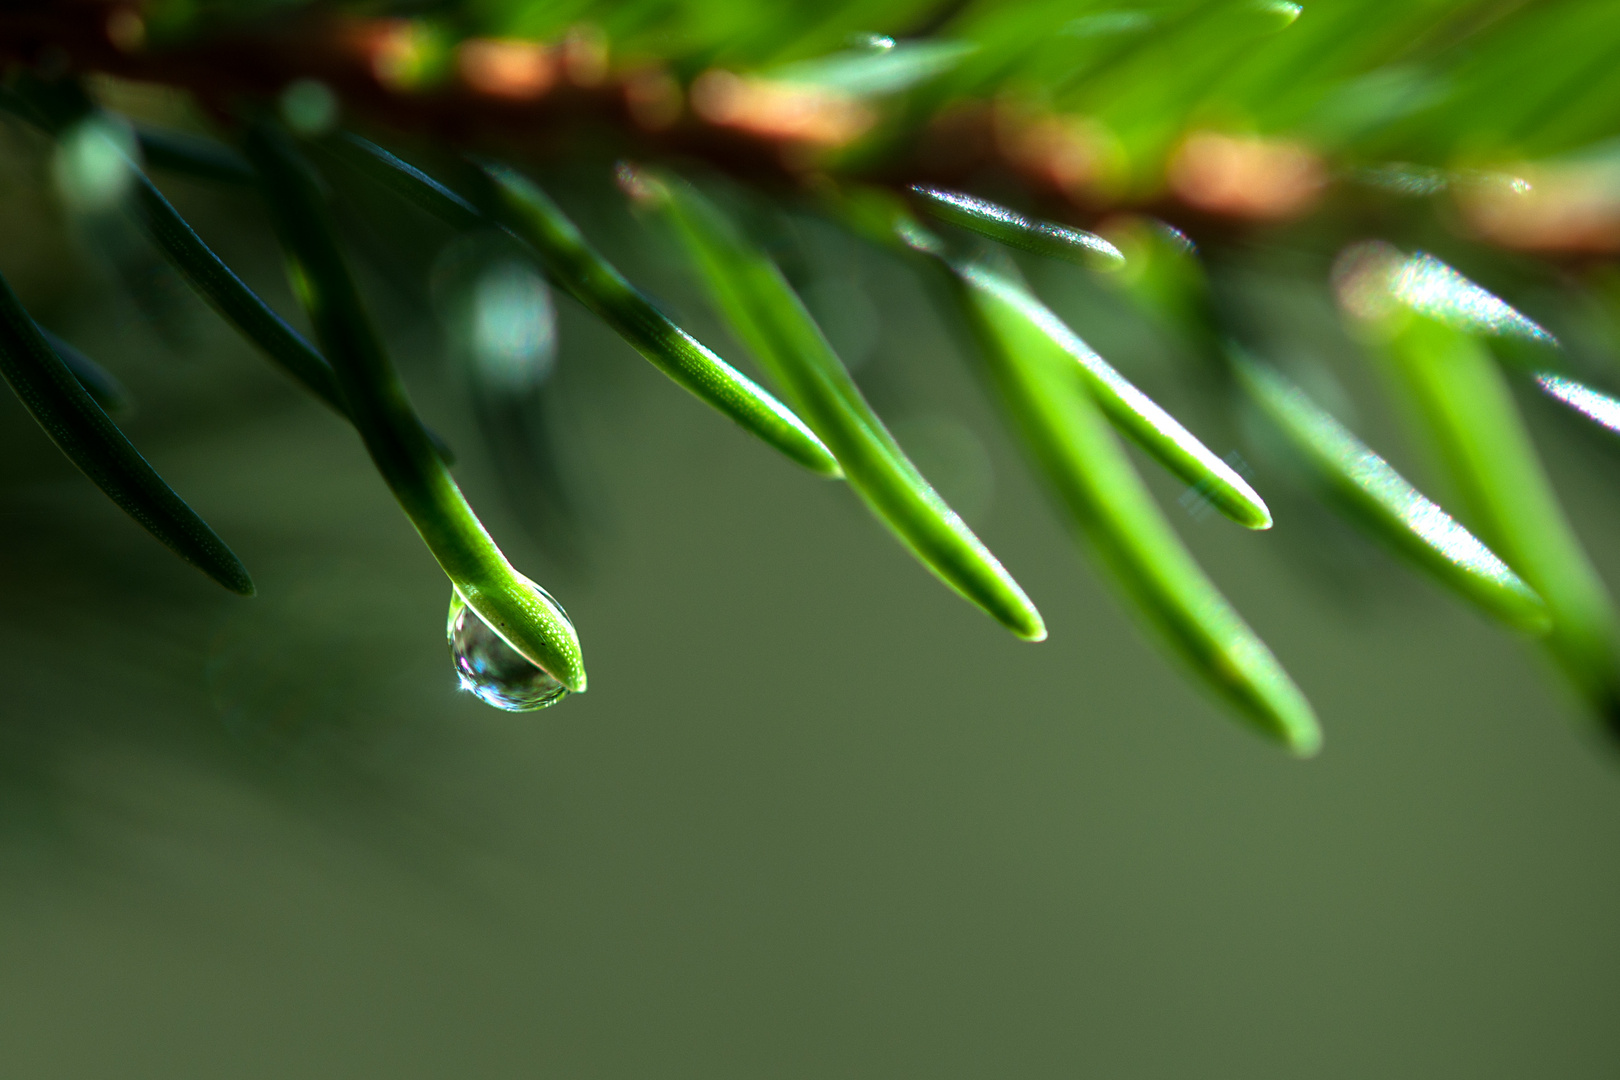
487,666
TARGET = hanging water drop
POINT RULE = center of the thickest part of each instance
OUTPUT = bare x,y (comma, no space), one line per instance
490,668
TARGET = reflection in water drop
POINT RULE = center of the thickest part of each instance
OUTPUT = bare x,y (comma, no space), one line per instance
489,667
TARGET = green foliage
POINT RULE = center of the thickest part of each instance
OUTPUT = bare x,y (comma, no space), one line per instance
70,416
1384,503
1275,136
1015,230
763,311
530,214
1088,469
1464,406
524,616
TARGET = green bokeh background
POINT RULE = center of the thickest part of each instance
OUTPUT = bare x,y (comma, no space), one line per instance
816,817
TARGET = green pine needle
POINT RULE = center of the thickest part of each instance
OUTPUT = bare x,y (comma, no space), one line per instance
525,617
1468,414
765,313
1069,437
1015,230
81,430
1138,416
104,389
1386,505
193,155
236,303
406,180
531,215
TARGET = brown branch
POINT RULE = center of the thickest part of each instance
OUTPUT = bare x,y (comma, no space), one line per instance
535,102
257,61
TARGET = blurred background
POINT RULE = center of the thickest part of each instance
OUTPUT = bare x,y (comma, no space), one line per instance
816,817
